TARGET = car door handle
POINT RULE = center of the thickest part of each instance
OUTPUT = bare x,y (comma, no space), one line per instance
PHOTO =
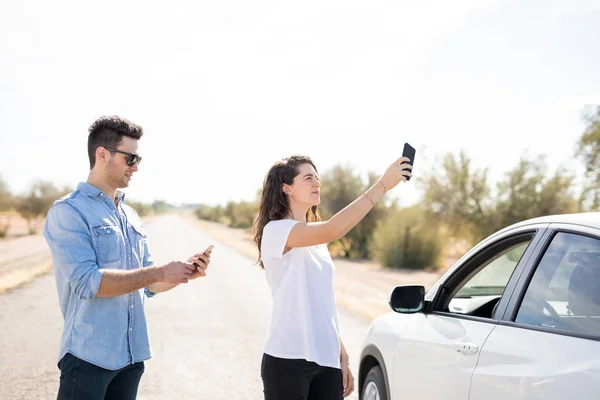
466,348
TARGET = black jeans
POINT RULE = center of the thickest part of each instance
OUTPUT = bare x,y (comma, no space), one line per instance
286,379
81,380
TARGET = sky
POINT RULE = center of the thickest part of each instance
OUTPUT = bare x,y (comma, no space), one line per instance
224,89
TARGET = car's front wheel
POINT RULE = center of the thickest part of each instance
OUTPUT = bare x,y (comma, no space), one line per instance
374,388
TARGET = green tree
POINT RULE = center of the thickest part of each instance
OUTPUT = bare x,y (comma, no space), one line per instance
528,192
340,187
588,150
457,195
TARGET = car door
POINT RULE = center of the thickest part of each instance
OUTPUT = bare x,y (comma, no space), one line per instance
437,350
549,346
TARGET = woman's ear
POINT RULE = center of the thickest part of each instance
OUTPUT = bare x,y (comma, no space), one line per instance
287,189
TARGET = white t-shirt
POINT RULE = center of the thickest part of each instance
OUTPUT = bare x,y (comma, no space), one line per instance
305,322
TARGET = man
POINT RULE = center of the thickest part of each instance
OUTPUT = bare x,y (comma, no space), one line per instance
101,263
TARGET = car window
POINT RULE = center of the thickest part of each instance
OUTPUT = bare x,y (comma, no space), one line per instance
564,293
481,290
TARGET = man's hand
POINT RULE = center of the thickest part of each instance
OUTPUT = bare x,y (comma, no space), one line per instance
202,260
177,272
347,378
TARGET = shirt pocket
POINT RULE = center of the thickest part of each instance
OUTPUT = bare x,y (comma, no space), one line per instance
136,229
108,243
137,237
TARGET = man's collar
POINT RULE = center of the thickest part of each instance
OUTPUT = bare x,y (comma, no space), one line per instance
93,191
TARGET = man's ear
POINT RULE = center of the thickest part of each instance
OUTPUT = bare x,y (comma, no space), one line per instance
101,155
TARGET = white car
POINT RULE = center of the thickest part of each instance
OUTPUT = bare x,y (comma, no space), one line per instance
517,317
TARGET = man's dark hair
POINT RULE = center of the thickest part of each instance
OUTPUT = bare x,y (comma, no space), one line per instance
108,132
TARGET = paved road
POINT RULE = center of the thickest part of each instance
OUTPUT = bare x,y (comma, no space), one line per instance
207,336
19,252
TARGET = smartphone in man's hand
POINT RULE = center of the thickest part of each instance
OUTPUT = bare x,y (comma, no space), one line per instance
208,250
409,152
206,253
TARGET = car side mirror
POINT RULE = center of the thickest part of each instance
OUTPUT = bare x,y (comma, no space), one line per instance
408,299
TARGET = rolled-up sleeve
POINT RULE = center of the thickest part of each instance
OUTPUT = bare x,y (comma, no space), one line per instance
148,260
73,255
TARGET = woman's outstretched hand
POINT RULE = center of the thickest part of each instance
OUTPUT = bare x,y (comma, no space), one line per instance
396,173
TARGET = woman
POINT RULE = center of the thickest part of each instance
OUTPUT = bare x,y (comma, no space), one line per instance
304,357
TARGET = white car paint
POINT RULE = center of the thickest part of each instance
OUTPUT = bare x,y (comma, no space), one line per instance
436,349
438,355
519,363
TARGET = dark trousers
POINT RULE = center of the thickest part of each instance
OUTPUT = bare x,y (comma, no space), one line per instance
286,379
81,380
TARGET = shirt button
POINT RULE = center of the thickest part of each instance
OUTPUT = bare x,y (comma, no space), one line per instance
130,329
132,306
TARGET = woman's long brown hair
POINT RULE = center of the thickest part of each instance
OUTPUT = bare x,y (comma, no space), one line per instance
273,203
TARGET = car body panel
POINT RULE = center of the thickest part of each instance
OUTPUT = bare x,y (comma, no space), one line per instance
518,363
422,353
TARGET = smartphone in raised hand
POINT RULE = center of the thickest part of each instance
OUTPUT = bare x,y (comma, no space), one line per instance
409,152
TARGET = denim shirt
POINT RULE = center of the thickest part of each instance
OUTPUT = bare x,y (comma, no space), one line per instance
87,234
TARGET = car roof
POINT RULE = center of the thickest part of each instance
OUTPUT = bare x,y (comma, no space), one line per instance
590,219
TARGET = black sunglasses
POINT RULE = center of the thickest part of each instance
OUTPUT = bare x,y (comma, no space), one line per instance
132,158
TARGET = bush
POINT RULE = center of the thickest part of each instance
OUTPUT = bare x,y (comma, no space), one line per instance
209,213
234,214
4,224
6,203
242,214
36,203
160,206
6,198
142,209
403,239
